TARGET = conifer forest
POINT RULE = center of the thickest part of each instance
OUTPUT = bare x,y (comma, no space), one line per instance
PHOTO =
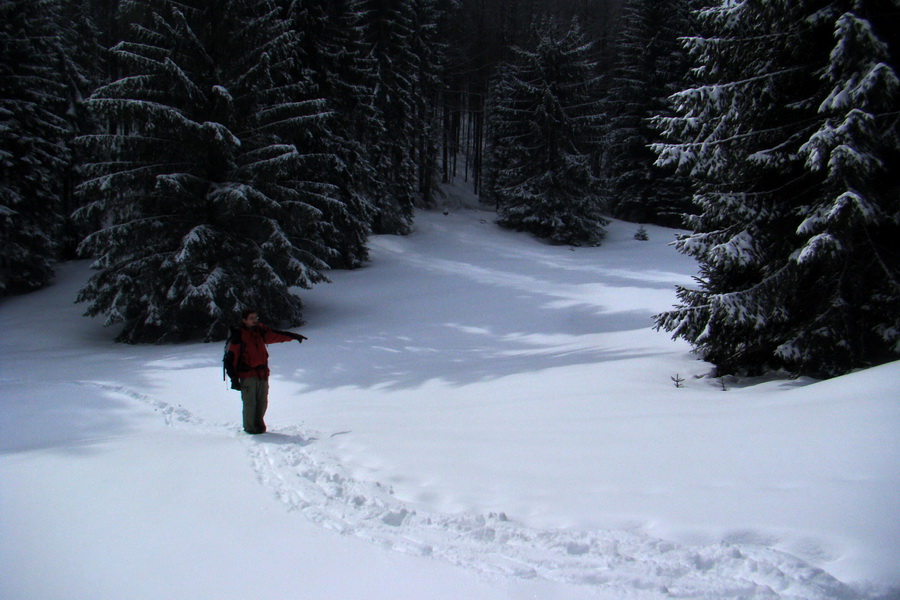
209,155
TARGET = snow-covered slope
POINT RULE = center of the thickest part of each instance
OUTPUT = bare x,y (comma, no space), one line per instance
475,415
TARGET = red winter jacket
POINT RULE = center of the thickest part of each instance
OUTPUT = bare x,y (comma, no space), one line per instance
247,355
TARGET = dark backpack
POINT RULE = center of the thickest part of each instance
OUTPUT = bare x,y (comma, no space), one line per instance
228,370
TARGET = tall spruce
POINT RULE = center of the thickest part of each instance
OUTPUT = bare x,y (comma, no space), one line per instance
792,135
479,36
393,29
34,132
84,68
208,207
651,66
334,55
429,52
544,130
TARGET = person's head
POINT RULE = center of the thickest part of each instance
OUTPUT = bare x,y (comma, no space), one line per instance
249,317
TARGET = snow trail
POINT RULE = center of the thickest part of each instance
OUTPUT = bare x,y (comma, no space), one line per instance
621,562
624,563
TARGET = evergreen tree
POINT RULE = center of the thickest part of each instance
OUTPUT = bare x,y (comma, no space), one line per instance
34,131
208,209
334,55
792,135
651,66
429,55
545,125
389,28
84,68
850,234
478,36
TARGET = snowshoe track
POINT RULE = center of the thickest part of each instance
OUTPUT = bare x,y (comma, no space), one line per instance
629,564
171,414
624,563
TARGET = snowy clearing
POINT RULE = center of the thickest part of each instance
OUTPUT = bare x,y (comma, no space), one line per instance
475,415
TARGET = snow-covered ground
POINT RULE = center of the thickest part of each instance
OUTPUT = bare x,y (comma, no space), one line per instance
476,415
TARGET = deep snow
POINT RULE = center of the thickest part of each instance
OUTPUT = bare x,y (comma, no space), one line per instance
476,415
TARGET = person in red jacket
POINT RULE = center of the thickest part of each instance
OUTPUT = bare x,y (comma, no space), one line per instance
247,364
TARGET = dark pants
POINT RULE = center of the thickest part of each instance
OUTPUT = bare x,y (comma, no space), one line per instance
255,394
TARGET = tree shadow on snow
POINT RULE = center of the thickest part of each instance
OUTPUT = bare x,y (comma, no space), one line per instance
488,332
61,416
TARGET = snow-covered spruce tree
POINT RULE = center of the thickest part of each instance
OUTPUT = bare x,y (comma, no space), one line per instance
34,131
544,126
650,66
792,135
84,68
430,56
389,27
334,55
207,208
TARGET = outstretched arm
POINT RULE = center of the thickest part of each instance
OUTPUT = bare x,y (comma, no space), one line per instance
274,336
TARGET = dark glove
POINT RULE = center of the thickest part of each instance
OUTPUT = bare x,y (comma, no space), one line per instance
235,384
299,337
